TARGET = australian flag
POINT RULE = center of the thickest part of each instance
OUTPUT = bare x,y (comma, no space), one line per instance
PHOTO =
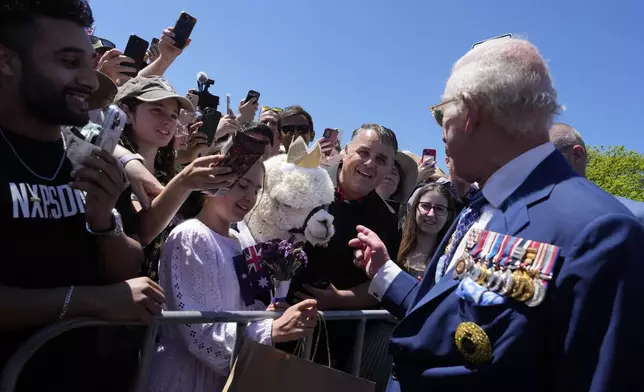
254,279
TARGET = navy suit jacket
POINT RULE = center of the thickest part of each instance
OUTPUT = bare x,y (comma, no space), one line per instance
588,335
636,207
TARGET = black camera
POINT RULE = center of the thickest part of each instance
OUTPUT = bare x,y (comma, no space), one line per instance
206,99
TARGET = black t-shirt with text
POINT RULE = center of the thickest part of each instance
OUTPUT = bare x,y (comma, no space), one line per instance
45,244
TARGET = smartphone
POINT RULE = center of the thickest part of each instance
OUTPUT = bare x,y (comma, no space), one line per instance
331,136
241,151
210,120
193,98
155,41
427,153
227,103
113,125
252,94
183,29
135,49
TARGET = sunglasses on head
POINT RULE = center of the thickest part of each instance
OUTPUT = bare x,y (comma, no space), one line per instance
102,42
296,129
267,108
436,110
475,44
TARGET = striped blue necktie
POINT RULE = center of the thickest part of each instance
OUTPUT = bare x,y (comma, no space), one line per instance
468,216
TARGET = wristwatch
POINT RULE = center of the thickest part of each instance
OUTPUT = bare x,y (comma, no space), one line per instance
116,230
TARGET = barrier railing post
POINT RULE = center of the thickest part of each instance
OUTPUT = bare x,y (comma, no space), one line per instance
357,349
145,361
239,340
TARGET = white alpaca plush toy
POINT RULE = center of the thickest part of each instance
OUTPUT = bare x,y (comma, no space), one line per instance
293,203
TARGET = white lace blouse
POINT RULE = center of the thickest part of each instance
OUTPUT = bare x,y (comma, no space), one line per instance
196,271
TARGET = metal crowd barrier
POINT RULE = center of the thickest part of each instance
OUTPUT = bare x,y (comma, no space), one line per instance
14,366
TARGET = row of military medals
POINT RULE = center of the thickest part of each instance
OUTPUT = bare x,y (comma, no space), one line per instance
507,265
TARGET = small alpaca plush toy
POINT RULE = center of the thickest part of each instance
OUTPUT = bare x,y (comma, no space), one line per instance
292,205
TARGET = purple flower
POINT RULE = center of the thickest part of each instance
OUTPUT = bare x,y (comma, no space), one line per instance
283,258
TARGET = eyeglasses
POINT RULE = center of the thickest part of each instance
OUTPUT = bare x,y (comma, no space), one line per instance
439,210
297,129
438,113
101,42
267,108
491,39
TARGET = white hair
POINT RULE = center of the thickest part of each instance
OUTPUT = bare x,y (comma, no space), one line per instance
509,79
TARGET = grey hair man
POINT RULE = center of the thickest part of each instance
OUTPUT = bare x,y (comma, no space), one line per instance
571,145
466,324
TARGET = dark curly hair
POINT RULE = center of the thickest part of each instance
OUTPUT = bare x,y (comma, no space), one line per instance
18,18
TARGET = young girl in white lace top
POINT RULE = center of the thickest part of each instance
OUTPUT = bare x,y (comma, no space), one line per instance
197,272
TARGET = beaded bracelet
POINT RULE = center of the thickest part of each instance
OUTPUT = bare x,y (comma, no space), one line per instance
68,299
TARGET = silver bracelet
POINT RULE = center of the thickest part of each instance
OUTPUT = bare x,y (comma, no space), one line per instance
68,299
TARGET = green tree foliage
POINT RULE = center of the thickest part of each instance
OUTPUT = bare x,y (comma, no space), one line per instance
617,170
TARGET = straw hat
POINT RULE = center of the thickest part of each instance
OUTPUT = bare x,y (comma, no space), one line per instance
408,176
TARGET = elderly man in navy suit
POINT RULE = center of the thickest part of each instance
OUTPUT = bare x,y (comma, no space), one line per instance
538,286
571,145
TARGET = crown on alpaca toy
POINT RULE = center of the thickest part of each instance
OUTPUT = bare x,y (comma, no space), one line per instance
299,155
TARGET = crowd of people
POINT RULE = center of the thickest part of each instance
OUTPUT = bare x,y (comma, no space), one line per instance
122,236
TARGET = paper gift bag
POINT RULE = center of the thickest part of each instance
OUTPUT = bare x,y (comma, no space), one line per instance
263,368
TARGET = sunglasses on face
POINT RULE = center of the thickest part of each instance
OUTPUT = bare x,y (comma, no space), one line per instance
439,210
267,108
102,42
295,129
437,112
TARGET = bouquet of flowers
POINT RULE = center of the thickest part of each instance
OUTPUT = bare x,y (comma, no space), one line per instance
283,259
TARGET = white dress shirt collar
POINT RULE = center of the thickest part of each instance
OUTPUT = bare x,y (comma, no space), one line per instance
505,181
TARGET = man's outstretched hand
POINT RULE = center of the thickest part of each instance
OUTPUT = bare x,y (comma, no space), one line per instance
370,252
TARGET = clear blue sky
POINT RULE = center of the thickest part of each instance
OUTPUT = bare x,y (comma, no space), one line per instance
356,61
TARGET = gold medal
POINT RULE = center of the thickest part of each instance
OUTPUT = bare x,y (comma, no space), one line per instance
485,273
461,268
517,290
473,343
528,288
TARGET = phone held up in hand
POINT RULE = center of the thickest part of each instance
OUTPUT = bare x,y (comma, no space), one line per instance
113,125
227,103
183,28
210,119
252,94
330,135
241,151
428,153
136,49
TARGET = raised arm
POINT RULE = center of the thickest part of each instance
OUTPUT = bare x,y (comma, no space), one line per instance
389,285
